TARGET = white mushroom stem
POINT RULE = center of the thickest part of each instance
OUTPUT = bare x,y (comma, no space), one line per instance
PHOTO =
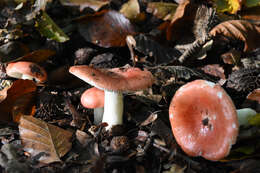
113,108
98,115
244,115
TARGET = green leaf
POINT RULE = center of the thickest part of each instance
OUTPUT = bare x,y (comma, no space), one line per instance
48,28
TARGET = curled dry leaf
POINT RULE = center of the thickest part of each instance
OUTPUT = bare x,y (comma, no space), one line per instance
38,136
18,89
94,4
251,13
131,9
24,105
106,28
254,95
182,21
162,10
36,56
239,30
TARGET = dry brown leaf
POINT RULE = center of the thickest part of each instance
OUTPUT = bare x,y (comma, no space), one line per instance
239,30
5,84
38,136
94,4
36,56
17,90
215,70
106,28
24,105
182,20
254,95
162,10
251,13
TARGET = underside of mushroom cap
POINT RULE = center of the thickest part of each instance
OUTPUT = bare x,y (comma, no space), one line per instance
116,79
204,120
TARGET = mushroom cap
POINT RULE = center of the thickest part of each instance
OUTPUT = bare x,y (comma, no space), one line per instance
204,120
116,79
93,98
23,68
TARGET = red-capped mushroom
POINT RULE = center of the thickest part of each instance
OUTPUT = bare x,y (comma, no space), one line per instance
114,82
26,70
204,120
93,98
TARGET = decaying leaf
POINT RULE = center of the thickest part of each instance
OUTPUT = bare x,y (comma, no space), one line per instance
94,4
24,105
18,89
38,136
162,54
245,79
131,9
106,28
4,85
215,70
36,56
150,119
162,10
254,95
241,30
12,50
182,21
48,28
251,13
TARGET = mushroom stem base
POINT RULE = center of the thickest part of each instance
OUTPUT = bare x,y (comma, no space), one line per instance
113,109
98,115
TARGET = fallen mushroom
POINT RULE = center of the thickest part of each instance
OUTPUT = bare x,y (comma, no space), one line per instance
114,82
26,70
204,120
93,98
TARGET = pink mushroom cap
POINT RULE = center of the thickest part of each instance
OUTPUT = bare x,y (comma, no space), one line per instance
204,120
116,79
23,68
93,98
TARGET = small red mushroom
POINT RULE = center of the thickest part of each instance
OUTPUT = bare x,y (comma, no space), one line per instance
26,70
204,120
93,98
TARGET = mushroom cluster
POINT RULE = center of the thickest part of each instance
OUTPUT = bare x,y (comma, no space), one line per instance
114,82
204,120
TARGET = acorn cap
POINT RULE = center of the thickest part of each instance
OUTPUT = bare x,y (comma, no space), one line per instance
204,120
23,68
116,79
93,98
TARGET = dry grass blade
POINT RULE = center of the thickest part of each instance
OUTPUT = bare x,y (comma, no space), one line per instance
239,30
38,136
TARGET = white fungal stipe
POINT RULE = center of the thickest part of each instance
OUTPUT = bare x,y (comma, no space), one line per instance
113,108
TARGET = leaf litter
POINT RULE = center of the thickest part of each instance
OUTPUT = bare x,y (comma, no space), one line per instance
186,41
